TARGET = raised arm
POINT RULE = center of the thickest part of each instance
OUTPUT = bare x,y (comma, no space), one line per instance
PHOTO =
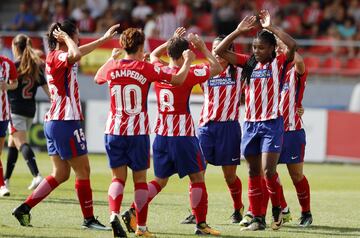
74,53
181,75
87,48
161,49
299,64
248,23
215,67
283,36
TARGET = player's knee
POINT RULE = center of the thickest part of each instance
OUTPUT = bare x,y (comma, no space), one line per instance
230,178
296,176
61,176
269,172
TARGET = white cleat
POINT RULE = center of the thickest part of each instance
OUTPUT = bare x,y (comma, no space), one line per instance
35,182
4,192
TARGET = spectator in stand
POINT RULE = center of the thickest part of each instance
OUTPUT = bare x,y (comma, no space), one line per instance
60,12
87,23
150,26
24,20
106,20
97,7
182,12
225,17
165,21
347,31
140,12
353,10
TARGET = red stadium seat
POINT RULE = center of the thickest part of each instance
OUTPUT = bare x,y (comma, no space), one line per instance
352,67
331,65
312,63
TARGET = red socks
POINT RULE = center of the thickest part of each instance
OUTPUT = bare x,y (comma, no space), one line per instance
141,203
235,190
265,199
273,186
84,193
283,203
303,193
41,192
115,195
199,201
255,195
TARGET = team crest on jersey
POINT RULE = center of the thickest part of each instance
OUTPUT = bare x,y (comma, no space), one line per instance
82,146
220,81
63,56
157,69
286,86
261,73
200,72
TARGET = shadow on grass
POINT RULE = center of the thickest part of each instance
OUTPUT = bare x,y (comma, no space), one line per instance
324,230
57,201
168,234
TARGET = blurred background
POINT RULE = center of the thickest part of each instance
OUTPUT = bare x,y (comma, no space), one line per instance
327,32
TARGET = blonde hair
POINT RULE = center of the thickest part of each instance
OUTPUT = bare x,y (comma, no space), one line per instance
30,61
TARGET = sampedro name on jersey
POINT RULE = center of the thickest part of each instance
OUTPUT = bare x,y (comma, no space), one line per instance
174,118
129,83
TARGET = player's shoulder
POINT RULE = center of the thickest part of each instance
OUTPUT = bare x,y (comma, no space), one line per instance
4,58
199,70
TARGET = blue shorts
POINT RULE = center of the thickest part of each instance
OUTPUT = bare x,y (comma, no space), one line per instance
177,154
293,149
3,128
132,151
262,137
65,138
220,142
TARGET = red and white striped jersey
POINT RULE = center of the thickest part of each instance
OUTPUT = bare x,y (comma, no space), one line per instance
222,95
63,86
7,73
291,98
129,82
174,118
262,94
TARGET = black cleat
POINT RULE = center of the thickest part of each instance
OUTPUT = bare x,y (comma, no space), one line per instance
236,217
189,220
305,219
277,218
117,229
94,223
129,219
22,214
256,224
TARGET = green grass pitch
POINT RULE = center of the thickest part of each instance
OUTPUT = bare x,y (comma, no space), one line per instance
335,201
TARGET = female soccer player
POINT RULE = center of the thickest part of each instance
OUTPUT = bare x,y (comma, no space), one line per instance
127,129
22,101
293,150
66,141
8,81
263,127
176,148
219,128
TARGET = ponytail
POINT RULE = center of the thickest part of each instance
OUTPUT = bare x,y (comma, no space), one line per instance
248,69
30,61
